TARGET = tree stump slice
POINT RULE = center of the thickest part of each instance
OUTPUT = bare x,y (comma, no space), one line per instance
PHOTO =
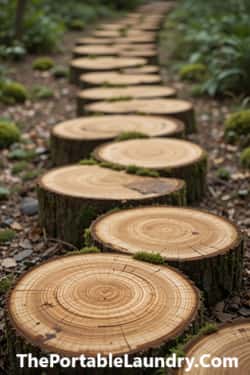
130,33
94,41
231,341
113,94
95,50
142,38
74,140
170,157
101,64
147,69
150,55
86,191
99,303
181,109
116,79
208,248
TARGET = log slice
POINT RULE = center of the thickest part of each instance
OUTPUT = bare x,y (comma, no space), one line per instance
208,248
75,139
181,109
116,79
170,157
101,64
71,197
111,94
99,303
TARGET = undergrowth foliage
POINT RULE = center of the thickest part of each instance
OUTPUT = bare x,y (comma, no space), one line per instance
216,35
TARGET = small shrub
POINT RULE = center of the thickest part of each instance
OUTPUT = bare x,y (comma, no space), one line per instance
237,124
7,235
5,284
4,193
13,92
31,175
42,92
223,174
43,63
20,154
245,158
9,134
193,72
131,135
19,167
60,71
76,24
154,258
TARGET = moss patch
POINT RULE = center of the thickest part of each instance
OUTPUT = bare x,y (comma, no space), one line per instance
42,92
5,284
154,258
223,174
4,193
237,125
9,133
245,158
7,235
130,135
193,72
87,250
43,63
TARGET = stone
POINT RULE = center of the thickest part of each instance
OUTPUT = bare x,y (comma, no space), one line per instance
29,206
22,255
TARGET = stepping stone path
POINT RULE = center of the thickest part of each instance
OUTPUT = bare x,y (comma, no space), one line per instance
127,196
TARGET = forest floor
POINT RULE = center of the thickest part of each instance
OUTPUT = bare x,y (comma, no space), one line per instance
228,198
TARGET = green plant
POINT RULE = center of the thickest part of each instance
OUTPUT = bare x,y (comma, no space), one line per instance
9,133
31,175
130,135
5,284
60,71
19,167
154,258
245,158
4,193
76,24
223,174
43,63
21,154
193,72
237,124
13,92
42,92
7,235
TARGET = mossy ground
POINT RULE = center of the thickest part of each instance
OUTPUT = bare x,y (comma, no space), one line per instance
9,134
43,63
